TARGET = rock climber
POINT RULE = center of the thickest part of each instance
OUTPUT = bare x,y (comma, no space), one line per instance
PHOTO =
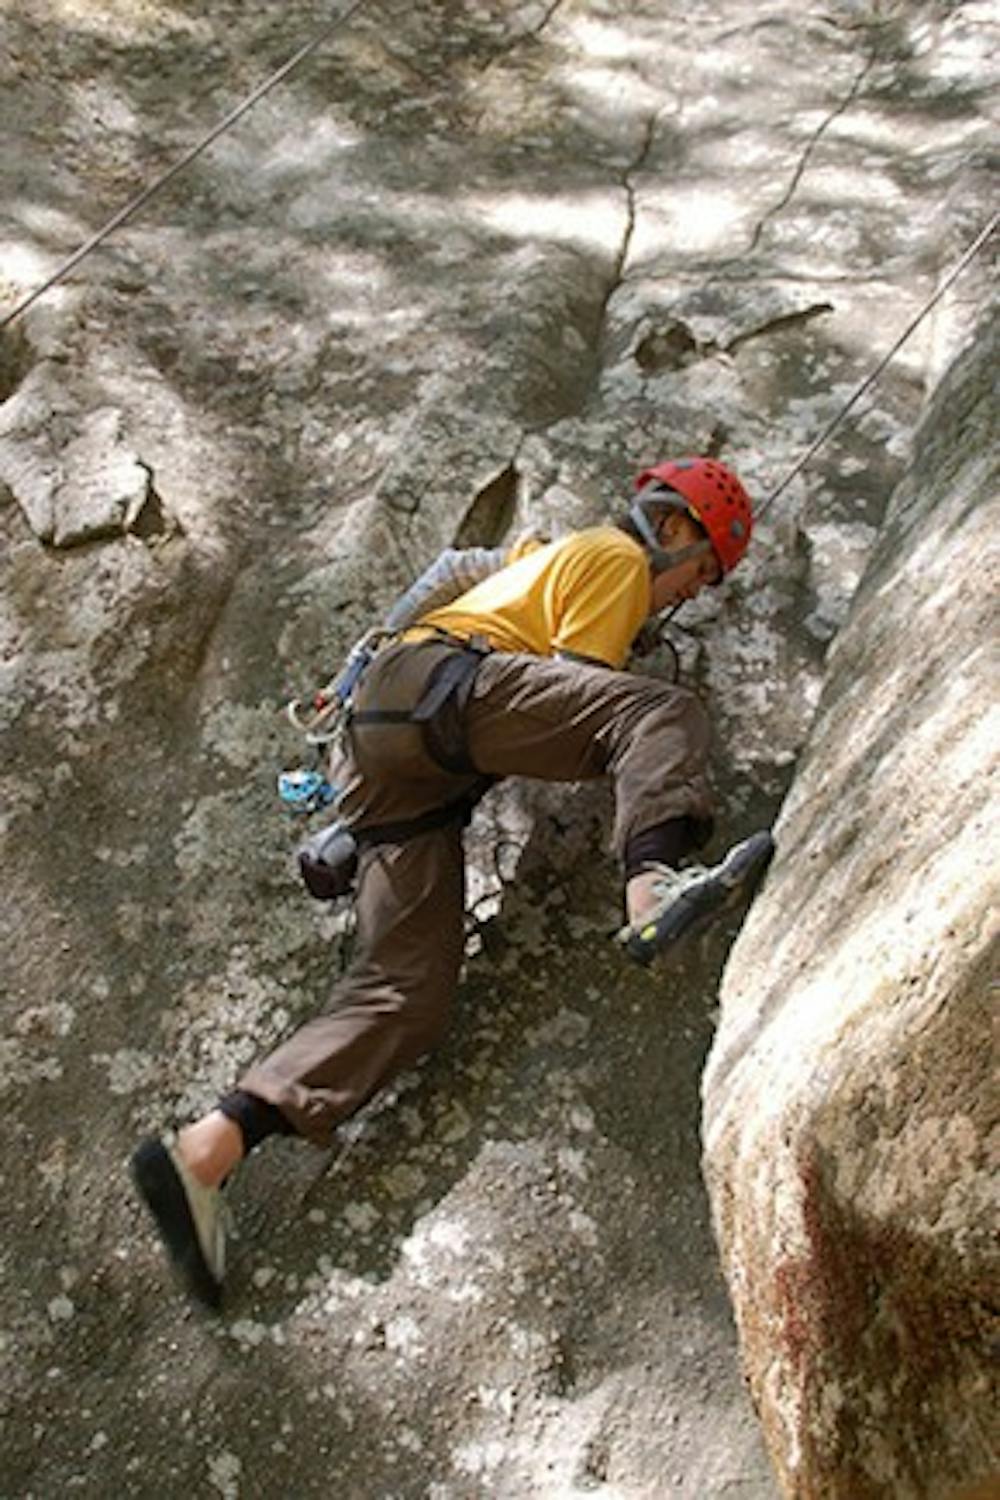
521,674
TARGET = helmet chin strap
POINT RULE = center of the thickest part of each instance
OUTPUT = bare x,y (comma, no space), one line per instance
660,558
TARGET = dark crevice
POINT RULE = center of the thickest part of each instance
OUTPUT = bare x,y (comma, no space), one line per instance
597,311
864,23
16,359
151,520
669,346
716,440
490,513
617,277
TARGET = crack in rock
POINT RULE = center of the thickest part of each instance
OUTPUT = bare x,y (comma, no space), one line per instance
618,270
529,34
673,345
782,321
648,138
810,147
548,17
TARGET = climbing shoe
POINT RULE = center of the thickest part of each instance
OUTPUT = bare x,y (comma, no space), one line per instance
190,1218
691,897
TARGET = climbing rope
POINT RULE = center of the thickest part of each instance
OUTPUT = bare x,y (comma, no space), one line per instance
971,252
160,182
299,57
831,427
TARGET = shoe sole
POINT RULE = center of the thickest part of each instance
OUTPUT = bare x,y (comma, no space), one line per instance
162,1190
736,878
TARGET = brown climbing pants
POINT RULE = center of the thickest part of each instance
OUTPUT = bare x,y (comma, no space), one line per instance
526,716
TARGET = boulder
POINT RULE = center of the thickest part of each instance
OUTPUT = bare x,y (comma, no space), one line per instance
467,270
851,1114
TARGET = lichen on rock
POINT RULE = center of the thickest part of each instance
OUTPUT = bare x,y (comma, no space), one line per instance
468,270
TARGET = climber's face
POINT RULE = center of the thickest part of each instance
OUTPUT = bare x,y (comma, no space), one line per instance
677,532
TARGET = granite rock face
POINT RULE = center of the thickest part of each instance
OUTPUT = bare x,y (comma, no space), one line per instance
851,1115
464,272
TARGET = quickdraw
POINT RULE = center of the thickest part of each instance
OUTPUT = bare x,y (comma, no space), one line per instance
329,708
307,789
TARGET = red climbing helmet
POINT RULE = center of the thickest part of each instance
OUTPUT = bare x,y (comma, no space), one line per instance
714,497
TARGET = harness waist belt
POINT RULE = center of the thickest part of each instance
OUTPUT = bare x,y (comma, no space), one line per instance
459,811
440,708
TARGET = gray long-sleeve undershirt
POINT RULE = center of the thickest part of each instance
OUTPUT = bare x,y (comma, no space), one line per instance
451,574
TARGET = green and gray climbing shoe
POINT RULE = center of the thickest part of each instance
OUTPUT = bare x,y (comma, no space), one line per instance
691,897
190,1218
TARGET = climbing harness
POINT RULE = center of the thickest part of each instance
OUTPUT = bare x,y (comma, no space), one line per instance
726,516
439,709
328,859
332,711
306,789
325,719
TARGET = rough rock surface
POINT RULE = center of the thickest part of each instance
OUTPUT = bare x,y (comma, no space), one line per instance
463,272
852,1125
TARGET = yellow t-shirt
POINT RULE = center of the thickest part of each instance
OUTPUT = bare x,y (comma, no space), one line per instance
586,594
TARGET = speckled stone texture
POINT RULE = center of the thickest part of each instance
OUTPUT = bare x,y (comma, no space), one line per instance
851,1113
466,271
